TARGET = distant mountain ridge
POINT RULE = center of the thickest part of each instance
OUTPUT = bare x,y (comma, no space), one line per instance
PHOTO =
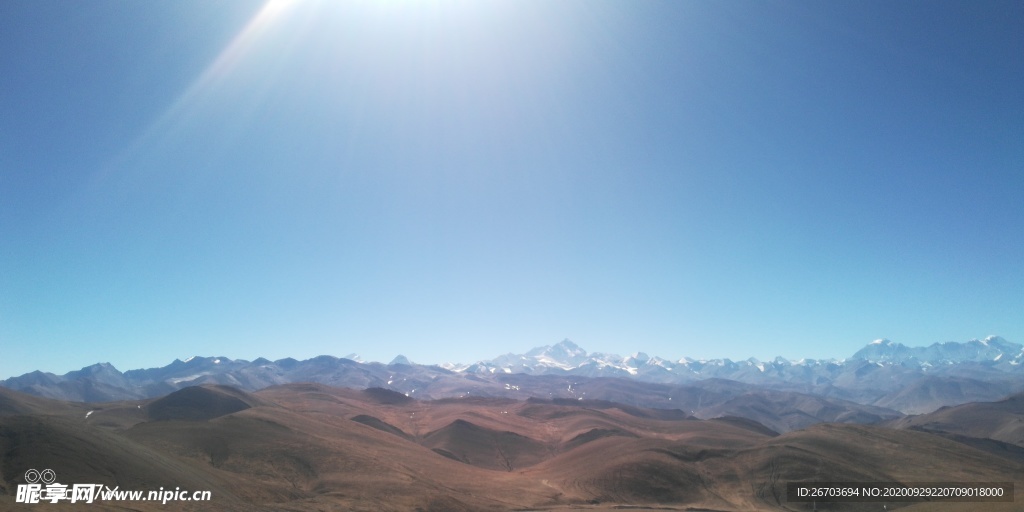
882,374
568,356
992,348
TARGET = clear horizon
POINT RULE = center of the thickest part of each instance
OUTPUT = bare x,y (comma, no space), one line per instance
456,180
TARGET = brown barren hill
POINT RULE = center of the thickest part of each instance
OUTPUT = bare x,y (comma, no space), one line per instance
314,447
485,448
15,403
80,454
200,403
1002,420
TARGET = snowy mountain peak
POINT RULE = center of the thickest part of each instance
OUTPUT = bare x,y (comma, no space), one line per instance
569,348
400,359
1000,343
196,361
565,354
640,357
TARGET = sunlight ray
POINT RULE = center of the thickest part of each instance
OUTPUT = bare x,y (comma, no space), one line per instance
221,67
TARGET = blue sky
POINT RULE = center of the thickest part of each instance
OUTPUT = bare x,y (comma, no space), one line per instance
456,180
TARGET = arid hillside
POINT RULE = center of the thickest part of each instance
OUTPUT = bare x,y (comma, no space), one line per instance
314,447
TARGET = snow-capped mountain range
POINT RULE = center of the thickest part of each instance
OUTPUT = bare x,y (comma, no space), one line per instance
990,349
883,374
566,356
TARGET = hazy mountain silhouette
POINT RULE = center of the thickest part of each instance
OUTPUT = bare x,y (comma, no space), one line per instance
881,381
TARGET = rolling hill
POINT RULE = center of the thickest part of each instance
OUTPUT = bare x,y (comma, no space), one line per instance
309,446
